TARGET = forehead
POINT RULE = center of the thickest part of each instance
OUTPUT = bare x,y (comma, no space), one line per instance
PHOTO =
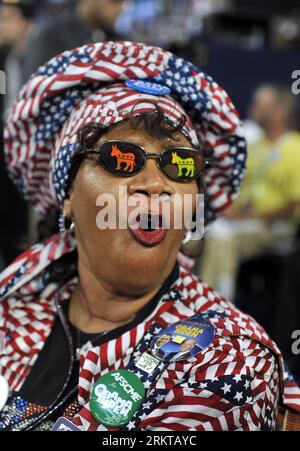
264,95
9,12
129,132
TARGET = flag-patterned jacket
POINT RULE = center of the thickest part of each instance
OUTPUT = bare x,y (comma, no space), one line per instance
236,383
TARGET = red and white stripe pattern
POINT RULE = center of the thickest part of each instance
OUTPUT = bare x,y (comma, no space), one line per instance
233,384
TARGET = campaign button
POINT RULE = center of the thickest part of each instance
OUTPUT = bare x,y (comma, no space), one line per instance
4,390
116,397
148,87
147,363
183,340
63,424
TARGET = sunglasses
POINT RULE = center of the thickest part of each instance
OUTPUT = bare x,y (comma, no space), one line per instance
125,159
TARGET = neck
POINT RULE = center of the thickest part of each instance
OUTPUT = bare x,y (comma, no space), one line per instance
273,133
20,45
96,307
84,14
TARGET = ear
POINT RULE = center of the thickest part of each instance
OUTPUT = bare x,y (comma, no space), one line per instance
67,210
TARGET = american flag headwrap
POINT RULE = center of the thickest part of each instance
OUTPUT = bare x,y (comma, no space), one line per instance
87,85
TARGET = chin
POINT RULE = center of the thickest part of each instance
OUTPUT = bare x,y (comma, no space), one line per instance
146,269
142,283
147,263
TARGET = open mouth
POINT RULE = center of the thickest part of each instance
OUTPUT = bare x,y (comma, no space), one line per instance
148,229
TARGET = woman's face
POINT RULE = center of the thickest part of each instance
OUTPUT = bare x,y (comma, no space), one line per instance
115,256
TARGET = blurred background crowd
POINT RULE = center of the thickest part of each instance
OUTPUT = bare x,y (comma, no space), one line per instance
252,49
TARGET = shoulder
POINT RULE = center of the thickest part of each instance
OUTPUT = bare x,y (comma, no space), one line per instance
241,348
290,148
229,322
293,139
32,265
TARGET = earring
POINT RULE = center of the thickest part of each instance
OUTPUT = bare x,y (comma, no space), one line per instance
72,227
188,236
69,224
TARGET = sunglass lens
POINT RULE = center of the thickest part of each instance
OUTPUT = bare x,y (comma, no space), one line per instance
182,165
123,159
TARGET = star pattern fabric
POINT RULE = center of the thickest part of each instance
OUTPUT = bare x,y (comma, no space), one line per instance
236,383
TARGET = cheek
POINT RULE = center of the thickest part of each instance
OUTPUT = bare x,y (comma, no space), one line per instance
195,194
94,194
190,189
186,201
89,184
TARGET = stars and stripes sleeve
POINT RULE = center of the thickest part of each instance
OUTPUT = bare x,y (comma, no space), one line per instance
238,389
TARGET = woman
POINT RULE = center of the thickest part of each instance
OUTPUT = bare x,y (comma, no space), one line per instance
81,312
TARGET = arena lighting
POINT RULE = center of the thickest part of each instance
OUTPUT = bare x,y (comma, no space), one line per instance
16,2
10,1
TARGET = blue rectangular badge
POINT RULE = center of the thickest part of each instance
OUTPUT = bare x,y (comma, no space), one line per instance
62,424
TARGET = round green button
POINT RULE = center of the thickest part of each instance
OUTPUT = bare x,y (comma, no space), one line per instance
116,397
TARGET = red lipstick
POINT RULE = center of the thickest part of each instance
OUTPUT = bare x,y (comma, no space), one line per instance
148,230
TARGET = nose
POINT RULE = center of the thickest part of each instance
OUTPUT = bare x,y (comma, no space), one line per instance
151,181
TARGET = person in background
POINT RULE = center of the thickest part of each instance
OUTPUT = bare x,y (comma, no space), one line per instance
267,212
91,20
17,19
16,23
